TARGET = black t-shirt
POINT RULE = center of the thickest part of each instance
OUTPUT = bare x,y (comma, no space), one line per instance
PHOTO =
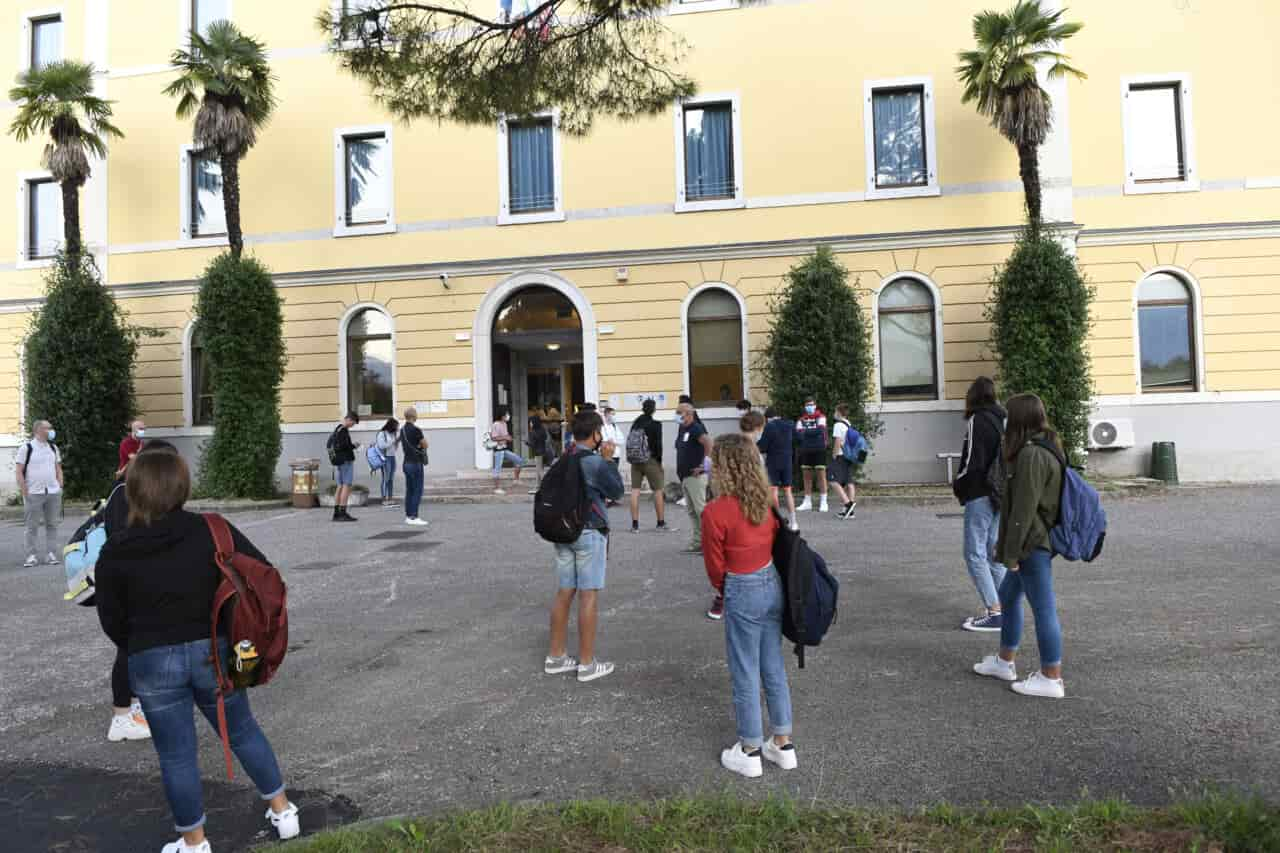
411,438
653,430
689,449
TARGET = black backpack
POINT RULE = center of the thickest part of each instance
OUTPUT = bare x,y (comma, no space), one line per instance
332,446
998,470
561,507
810,593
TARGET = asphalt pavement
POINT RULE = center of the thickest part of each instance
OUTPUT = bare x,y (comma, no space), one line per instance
414,681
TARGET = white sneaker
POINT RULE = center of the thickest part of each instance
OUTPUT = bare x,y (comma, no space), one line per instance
591,671
993,667
795,527
30,561
737,759
125,727
135,711
824,507
286,822
681,502
180,846
1038,684
417,522
805,506
783,756
555,666
52,559
499,492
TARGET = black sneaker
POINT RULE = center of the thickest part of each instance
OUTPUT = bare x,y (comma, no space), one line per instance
849,510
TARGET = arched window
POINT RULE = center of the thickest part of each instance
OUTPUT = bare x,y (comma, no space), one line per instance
369,360
908,341
715,348
1166,334
201,381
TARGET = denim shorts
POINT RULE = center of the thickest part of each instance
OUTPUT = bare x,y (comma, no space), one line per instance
581,564
344,472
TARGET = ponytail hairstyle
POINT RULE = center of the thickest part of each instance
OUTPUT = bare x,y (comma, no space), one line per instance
1027,419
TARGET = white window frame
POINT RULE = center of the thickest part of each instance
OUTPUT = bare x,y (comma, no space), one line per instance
684,335
340,226
186,237
186,20
939,353
335,11
1197,318
686,7
505,217
1191,181
24,32
343,324
739,199
932,187
24,219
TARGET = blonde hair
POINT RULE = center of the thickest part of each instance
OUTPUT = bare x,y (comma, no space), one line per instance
736,470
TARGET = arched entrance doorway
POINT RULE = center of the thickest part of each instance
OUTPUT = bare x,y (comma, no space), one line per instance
534,344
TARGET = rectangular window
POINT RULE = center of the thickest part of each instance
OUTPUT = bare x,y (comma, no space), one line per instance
205,12
531,161
46,40
899,135
1158,148
208,217
1164,335
907,356
44,218
367,170
708,152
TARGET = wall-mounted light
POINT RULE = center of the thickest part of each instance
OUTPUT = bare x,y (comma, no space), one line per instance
553,347
444,279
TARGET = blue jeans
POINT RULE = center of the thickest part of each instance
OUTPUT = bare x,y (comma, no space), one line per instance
581,564
388,478
169,680
412,488
981,530
753,639
1035,578
501,456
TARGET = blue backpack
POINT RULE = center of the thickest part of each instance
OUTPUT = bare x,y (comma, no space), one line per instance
810,593
1081,528
377,461
855,446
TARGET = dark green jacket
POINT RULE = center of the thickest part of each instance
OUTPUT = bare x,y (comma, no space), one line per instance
1029,506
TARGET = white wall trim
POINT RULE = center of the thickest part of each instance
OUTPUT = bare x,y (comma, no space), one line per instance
939,354
186,236
739,200
1189,398
1197,322
505,216
931,186
902,407
188,399
24,219
186,21
1179,233
805,199
340,226
743,322
343,379
24,33
1191,182
1267,183
482,346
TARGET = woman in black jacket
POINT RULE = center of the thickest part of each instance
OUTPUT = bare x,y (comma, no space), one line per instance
155,586
984,430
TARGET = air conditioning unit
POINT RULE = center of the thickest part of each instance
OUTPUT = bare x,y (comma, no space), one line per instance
1110,434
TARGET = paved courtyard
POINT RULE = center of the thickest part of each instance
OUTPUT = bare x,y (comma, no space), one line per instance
414,681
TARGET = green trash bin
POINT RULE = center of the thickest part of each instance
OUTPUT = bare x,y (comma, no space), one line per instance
1164,461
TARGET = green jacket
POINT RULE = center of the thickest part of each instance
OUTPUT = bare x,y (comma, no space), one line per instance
1029,506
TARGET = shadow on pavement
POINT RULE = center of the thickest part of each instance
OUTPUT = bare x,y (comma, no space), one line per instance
55,807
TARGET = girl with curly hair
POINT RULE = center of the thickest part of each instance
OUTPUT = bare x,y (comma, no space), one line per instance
738,528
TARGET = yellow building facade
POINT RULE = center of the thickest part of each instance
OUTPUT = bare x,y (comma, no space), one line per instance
462,269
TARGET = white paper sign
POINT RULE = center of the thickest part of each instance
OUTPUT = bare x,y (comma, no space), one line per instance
455,389
633,402
439,407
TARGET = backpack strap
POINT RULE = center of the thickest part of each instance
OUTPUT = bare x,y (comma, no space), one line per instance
224,548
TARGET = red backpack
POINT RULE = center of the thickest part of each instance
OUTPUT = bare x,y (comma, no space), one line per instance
251,603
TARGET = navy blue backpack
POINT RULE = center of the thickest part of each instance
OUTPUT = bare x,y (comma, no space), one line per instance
1081,528
810,594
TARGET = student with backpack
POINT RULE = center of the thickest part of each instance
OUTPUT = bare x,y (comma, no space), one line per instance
342,456
848,448
811,431
384,445
777,443
157,583
644,455
1029,509
571,501
38,473
978,486
738,530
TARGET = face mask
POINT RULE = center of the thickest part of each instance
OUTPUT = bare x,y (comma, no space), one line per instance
53,433
810,408
140,433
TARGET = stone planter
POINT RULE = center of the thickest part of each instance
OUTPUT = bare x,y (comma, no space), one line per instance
359,497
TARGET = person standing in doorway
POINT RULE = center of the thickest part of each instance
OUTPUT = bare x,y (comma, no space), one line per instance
811,429
131,444
693,445
500,436
983,435
613,436
344,458
647,467
840,474
539,440
386,440
777,443
581,565
39,476
415,461
1028,509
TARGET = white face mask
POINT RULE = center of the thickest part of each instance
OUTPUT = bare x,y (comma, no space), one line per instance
140,432
53,433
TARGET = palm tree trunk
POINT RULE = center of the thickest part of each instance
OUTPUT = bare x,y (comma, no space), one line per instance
231,202
1029,170
71,218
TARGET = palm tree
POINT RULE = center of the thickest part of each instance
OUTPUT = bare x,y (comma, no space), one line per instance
59,98
1001,76
224,78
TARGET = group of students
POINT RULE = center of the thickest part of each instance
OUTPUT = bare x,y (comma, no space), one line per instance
392,439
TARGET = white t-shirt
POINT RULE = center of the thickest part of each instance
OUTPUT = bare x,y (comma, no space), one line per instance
838,432
41,470
611,432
